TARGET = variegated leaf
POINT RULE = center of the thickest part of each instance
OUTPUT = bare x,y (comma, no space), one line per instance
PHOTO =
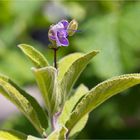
72,71
99,94
12,135
24,102
47,81
34,55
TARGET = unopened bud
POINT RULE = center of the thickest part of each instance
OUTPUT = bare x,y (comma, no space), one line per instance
72,27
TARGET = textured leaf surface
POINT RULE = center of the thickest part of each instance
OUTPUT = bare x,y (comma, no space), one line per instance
68,108
59,134
62,134
24,102
54,135
47,81
39,110
70,104
34,55
101,93
79,126
11,135
65,63
34,138
73,72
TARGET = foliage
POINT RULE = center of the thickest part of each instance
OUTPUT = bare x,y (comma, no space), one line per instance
67,113
110,26
7,135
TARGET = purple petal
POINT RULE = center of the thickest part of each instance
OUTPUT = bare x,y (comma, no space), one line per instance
52,37
63,41
65,23
62,33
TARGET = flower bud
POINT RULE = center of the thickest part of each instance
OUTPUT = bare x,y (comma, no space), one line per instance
72,27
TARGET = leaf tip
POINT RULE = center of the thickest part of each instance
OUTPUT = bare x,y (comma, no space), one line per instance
33,69
97,51
19,45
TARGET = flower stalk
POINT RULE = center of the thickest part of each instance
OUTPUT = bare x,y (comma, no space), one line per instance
58,34
55,57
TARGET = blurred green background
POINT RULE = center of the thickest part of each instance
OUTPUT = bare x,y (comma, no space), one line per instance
111,26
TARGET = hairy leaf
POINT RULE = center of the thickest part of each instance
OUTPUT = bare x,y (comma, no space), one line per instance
12,135
34,55
73,71
65,63
79,126
70,104
39,110
24,102
59,134
47,81
62,134
34,138
101,93
68,108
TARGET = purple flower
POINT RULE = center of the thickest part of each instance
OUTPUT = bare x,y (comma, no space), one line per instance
58,33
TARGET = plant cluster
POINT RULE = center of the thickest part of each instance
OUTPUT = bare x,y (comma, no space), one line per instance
66,109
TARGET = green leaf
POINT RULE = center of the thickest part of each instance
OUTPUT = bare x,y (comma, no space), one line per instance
79,126
24,102
65,63
11,135
34,55
34,138
39,110
71,103
54,135
47,81
101,93
62,134
73,71
59,134
68,108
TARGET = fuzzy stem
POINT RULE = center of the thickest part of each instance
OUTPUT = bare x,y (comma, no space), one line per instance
54,123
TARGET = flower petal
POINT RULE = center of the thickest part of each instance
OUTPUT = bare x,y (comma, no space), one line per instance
62,33
65,23
63,41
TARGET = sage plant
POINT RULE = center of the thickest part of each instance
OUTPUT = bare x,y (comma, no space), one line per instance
66,109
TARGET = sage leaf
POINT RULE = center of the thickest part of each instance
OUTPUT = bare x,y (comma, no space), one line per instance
73,71
34,138
62,134
58,134
12,135
34,55
47,81
24,102
68,108
79,126
99,94
65,63
39,110
54,135
71,103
